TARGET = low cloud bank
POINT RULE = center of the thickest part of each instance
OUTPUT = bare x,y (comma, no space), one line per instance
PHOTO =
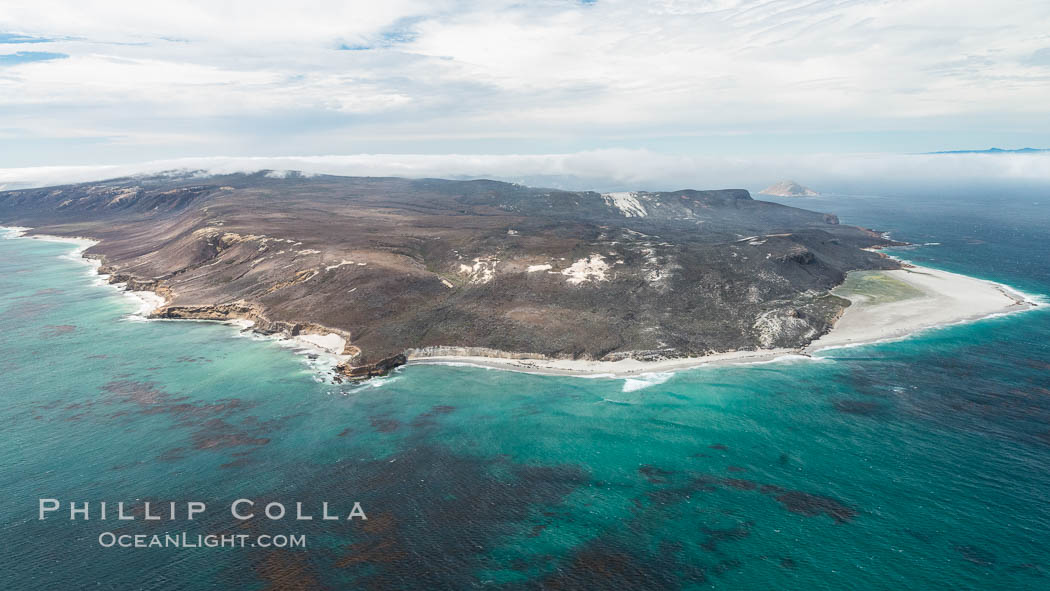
607,170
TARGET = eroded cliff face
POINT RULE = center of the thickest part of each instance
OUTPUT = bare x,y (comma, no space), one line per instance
397,264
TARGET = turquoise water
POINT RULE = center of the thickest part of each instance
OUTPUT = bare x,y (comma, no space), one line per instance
916,464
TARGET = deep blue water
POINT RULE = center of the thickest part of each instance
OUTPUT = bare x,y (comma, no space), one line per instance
916,464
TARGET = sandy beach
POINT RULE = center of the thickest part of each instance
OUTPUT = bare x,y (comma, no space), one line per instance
330,342
603,369
939,298
898,304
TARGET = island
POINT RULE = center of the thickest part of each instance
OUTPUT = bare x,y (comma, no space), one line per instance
384,271
789,189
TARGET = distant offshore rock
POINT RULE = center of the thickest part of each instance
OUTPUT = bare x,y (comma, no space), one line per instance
789,189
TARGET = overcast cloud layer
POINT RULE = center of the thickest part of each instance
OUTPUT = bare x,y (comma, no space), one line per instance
109,81
613,170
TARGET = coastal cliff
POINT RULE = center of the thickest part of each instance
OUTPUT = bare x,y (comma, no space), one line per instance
399,267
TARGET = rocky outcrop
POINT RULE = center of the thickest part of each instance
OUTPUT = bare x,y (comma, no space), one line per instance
219,312
250,312
371,370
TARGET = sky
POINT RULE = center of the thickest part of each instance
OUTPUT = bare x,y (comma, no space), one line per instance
662,82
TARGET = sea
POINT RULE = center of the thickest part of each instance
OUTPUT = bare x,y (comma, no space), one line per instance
917,464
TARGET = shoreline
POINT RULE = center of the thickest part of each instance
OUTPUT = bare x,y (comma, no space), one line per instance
624,368
314,346
148,300
946,299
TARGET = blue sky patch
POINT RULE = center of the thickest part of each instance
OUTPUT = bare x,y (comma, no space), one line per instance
402,31
17,38
24,57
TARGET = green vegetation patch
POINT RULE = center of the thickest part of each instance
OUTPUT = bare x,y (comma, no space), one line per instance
875,287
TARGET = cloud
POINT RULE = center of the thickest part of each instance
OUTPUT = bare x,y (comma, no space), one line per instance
506,76
605,169
1039,57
